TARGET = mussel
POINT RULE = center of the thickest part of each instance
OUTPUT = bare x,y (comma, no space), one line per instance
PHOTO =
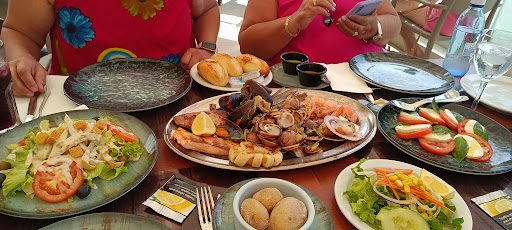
231,102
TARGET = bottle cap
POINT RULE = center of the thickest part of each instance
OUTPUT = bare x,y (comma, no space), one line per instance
478,2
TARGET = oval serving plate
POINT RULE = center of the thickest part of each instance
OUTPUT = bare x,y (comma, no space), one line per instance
499,138
346,177
195,75
287,80
108,191
107,220
128,84
402,73
224,217
335,151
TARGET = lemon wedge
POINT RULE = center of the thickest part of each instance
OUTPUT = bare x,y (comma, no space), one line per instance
446,191
203,125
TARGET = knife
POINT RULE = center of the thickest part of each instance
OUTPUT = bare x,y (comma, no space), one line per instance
32,105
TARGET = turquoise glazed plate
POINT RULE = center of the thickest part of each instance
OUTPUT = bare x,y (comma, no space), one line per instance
288,80
107,220
500,140
126,85
402,73
224,217
21,206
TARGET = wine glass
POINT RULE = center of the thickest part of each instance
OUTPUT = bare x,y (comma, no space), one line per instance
493,58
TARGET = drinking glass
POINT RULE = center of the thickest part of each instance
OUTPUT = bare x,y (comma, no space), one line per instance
493,58
8,113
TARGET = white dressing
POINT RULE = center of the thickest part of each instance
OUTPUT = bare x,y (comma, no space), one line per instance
56,164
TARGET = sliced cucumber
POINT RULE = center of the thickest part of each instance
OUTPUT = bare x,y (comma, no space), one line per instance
401,219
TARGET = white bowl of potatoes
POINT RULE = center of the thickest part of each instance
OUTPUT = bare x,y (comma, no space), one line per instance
274,204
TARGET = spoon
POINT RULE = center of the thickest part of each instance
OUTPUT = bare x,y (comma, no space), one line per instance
450,96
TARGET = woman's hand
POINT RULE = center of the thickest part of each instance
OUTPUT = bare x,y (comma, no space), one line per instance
308,11
360,27
193,56
28,76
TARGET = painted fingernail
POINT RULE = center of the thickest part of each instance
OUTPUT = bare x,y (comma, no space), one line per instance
343,18
334,4
352,17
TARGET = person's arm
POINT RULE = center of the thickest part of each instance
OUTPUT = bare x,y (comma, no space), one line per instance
24,34
263,33
205,26
366,26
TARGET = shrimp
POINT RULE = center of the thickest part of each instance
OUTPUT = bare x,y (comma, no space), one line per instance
346,111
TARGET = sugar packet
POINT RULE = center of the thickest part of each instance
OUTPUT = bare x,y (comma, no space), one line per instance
498,205
176,199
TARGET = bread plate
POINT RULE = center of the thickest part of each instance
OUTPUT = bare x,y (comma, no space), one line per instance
195,75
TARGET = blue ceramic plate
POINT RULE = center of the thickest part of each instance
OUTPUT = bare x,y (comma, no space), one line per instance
224,217
402,73
126,85
499,138
21,206
107,220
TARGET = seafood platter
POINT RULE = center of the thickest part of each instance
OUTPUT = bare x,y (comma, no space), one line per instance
259,129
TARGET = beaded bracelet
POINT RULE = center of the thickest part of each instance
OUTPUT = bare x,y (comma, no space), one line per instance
286,28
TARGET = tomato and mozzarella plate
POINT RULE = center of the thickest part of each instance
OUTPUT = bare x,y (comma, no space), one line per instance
473,133
59,155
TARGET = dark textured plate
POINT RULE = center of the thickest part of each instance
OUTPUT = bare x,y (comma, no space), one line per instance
125,85
107,220
402,73
499,138
288,80
224,217
107,191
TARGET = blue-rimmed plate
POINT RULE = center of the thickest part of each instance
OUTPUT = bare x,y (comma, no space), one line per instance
108,191
500,140
126,85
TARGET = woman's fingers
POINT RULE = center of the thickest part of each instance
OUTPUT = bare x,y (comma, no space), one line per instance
40,77
350,28
22,72
328,4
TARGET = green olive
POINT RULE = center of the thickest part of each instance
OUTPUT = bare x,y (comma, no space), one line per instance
122,158
5,165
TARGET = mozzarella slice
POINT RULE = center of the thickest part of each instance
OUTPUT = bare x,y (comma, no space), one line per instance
469,127
450,116
438,137
411,128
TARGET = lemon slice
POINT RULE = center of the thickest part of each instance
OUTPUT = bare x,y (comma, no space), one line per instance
203,125
490,208
446,191
503,205
174,202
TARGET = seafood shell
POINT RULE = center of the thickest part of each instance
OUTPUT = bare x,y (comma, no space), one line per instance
334,122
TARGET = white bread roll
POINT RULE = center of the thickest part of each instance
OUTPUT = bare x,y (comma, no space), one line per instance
213,72
229,63
250,63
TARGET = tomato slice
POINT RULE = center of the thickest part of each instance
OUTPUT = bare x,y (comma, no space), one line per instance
437,147
413,133
23,142
431,115
485,146
53,187
122,132
460,127
412,119
447,120
392,170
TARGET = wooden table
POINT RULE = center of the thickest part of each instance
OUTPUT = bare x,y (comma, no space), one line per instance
318,179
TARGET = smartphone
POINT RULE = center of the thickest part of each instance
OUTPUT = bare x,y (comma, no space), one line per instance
364,8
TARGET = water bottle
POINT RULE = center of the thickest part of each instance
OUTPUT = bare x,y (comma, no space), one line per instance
462,46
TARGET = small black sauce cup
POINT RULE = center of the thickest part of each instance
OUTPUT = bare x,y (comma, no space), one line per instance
310,74
290,61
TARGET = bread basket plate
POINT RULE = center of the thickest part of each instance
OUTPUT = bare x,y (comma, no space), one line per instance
332,150
224,216
195,75
346,178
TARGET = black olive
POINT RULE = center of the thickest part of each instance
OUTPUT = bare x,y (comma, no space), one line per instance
83,191
2,178
96,118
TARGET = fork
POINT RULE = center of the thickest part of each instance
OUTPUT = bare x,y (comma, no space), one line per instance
205,210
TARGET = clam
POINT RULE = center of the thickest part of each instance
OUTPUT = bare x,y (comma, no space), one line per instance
298,153
268,142
252,137
285,120
291,147
343,128
312,139
270,131
288,138
312,148
262,123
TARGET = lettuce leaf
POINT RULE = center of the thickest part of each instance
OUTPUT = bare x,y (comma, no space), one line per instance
364,202
111,174
132,150
104,172
17,177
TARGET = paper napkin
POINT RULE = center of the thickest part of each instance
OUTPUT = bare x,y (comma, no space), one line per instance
57,101
342,78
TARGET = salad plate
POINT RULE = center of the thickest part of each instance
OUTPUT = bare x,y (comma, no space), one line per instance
346,177
127,85
402,73
287,80
224,216
195,75
331,150
496,95
107,220
107,190
499,138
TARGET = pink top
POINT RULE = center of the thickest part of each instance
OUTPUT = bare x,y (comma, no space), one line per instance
321,43
86,32
448,25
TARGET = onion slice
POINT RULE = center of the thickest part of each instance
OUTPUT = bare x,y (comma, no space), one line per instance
393,200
